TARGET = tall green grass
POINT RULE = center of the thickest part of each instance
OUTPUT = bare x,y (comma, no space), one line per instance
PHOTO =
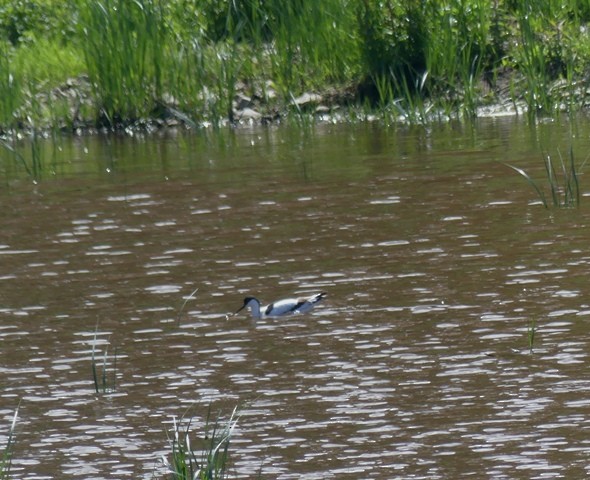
312,44
10,87
6,454
533,63
397,99
124,44
427,50
32,70
456,50
209,460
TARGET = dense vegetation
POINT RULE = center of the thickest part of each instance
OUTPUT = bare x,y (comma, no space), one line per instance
66,64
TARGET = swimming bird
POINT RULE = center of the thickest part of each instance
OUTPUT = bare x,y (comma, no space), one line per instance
286,306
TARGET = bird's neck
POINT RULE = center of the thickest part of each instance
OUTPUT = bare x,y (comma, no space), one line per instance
255,309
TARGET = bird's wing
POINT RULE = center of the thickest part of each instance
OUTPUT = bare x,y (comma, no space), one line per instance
282,307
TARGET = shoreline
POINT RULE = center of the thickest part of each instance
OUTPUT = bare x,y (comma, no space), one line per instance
83,68
248,111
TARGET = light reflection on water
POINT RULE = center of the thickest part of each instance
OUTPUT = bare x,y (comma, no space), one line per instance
417,364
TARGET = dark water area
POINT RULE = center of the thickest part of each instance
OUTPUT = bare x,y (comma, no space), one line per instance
435,256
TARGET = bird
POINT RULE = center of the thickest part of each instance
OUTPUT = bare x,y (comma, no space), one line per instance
287,306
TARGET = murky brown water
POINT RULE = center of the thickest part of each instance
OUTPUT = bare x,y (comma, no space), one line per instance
435,258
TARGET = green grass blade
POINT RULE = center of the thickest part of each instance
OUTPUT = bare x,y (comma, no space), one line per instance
550,172
6,459
573,182
114,382
101,382
531,331
94,372
104,370
532,182
184,304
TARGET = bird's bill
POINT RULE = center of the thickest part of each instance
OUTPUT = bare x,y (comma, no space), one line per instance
239,309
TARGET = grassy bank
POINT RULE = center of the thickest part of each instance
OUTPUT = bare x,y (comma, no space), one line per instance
113,63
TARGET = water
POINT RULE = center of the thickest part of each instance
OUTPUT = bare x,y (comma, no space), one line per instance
435,257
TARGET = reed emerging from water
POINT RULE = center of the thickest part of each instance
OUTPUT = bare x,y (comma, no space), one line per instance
186,300
6,455
103,382
562,179
531,332
207,462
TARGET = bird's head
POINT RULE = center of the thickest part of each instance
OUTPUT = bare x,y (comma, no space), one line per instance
247,302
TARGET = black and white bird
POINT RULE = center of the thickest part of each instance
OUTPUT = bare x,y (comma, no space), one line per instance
287,306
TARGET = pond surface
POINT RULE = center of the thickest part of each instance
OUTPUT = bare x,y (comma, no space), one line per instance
436,259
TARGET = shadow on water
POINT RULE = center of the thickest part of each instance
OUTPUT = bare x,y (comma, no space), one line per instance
417,365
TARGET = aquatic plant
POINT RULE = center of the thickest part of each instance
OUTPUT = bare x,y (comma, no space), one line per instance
410,104
186,300
102,384
531,331
31,160
564,192
36,157
562,180
211,463
6,456
19,159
